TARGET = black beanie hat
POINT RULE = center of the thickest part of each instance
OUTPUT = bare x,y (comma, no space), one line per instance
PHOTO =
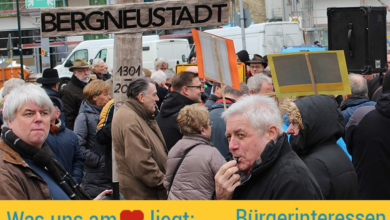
243,56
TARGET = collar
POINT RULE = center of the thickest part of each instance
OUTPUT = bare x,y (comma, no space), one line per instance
228,100
11,156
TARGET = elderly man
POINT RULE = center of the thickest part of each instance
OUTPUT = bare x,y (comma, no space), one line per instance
161,64
260,84
73,91
357,99
160,78
265,166
139,146
219,126
50,83
100,70
27,168
187,90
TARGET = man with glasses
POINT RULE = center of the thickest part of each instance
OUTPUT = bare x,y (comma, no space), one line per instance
187,90
100,70
256,65
73,91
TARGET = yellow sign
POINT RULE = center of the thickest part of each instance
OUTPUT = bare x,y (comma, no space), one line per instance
295,74
194,210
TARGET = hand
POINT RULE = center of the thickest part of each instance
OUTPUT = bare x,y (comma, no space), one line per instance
226,180
102,194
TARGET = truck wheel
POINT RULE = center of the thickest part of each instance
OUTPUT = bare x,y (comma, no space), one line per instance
63,83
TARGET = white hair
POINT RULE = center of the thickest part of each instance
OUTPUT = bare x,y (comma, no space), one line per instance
358,85
11,84
170,73
262,111
159,77
96,62
255,82
160,61
27,93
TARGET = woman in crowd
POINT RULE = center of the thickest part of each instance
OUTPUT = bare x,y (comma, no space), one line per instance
96,95
194,178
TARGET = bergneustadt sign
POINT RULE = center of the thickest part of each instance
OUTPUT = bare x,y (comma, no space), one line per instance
135,17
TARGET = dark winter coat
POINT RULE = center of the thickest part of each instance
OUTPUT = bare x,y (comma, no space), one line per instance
95,179
72,98
280,175
316,146
53,93
218,137
349,105
161,93
367,138
166,119
65,149
211,101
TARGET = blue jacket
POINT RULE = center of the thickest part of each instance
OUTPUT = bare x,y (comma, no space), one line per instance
349,106
65,148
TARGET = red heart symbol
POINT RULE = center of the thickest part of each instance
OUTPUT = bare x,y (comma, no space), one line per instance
132,215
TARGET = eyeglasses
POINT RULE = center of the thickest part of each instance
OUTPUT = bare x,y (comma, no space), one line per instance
199,87
256,67
211,124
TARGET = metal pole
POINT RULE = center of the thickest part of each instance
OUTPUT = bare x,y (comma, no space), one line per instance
242,18
20,40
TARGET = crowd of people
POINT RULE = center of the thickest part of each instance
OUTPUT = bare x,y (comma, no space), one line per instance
178,138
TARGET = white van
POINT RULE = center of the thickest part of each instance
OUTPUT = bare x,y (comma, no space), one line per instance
173,50
87,50
264,38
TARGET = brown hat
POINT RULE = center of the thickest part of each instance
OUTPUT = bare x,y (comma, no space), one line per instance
79,64
257,59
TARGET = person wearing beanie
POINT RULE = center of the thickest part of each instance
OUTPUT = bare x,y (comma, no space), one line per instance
243,56
367,140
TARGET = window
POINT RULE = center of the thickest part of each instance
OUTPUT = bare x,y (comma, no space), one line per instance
62,3
7,5
97,2
96,36
80,54
102,55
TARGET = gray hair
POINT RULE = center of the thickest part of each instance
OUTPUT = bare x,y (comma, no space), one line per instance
160,61
139,85
27,93
255,82
262,111
11,84
358,85
170,73
244,90
159,77
96,62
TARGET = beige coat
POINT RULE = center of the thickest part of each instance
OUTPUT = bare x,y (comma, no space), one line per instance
140,153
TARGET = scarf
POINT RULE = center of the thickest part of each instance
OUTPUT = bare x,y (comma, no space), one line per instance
42,157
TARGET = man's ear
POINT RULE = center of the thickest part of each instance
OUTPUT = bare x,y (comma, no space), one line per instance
251,91
140,97
184,90
272,132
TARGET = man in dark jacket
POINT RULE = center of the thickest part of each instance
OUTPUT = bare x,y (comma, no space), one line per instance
269,168
187,90
64,144
50,83
316,124
217,93
73,91
218,137
367,138
357,99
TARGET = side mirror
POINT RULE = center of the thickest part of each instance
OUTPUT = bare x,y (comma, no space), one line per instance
68,63
184,58
90,61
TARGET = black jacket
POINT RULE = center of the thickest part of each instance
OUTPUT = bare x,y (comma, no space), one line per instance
72,98
316,145
367,138
95,178
166,119
280,175
53,93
